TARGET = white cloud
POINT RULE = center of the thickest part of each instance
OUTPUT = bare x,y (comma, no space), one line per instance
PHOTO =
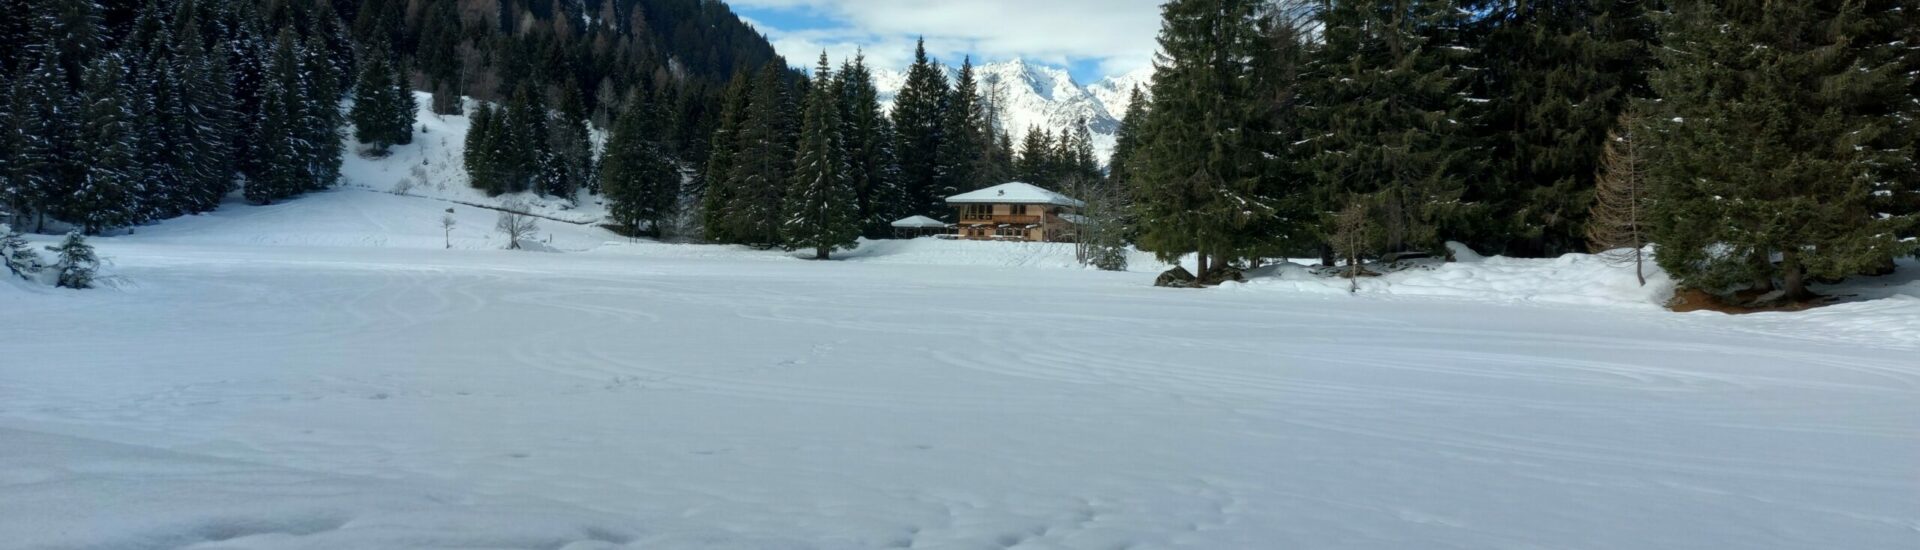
1116,35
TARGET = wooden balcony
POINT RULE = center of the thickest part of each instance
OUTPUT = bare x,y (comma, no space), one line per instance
1000,219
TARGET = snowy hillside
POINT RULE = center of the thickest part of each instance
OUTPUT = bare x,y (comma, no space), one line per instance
1039,96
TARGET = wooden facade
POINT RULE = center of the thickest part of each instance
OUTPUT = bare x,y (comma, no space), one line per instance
1014,212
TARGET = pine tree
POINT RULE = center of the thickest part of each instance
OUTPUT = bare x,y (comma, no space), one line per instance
1384,118
963,144
75,262
919,113
1036,163
47,163
522,139
1202,177
1774,123
761,167
642,181
1127,139
104,198
1554,77
483,168
869,142
715,192
822,210
207,128
321,118
281,165
382,117
571,146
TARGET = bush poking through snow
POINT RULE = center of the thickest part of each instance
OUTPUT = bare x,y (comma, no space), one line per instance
18,255
76,261
515,223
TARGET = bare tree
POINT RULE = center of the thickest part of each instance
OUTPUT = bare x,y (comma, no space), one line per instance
515,223
446,226
1614,222
1354,236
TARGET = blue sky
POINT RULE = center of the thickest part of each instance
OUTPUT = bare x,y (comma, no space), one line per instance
1092,38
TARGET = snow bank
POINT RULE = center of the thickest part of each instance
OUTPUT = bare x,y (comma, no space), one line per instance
1579,279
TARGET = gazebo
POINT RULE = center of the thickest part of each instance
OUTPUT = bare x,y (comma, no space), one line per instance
918,226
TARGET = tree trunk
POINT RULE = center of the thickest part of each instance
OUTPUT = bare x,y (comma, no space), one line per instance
1326,255
1763,274
1639,264
1200,264
820,253
1795,277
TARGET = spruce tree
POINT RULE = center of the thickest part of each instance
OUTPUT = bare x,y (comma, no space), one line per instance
571,145
1384,118
641,179
1554,76
322,120
483,168
104,198
822,210
763,163
919,114
1774,123
715,192
1127,139
963,143
1036,163
1203,179
207,128
48,162
74,262
522,139
281,163
869,142
381,117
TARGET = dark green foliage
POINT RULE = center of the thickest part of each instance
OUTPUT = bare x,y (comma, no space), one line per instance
1774,130
1036,164
74,262
383,109
762,163
1555,75
919,123
1201,180
483,136
568,139
641,179
716,180
822,210
1127,140
869,138
104,198
1384,118
965,138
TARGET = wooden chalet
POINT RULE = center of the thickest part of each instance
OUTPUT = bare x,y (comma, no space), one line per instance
1015,212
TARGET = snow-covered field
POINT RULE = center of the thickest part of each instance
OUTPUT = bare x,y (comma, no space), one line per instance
323,374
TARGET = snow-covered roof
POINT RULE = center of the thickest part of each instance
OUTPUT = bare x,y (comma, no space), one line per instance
1015,193
919,221
1075,219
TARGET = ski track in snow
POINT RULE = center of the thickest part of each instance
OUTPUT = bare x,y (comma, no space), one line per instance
313,394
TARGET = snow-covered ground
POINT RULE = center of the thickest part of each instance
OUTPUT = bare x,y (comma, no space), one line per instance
323,374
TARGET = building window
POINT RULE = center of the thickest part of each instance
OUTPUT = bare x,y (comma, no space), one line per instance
976,211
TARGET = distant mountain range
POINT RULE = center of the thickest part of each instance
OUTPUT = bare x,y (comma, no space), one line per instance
1042,96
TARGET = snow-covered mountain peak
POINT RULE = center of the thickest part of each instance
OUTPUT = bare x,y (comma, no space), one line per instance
1035,95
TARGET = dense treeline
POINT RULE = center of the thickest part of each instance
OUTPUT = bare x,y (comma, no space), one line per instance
1776,140
783,145
122,113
